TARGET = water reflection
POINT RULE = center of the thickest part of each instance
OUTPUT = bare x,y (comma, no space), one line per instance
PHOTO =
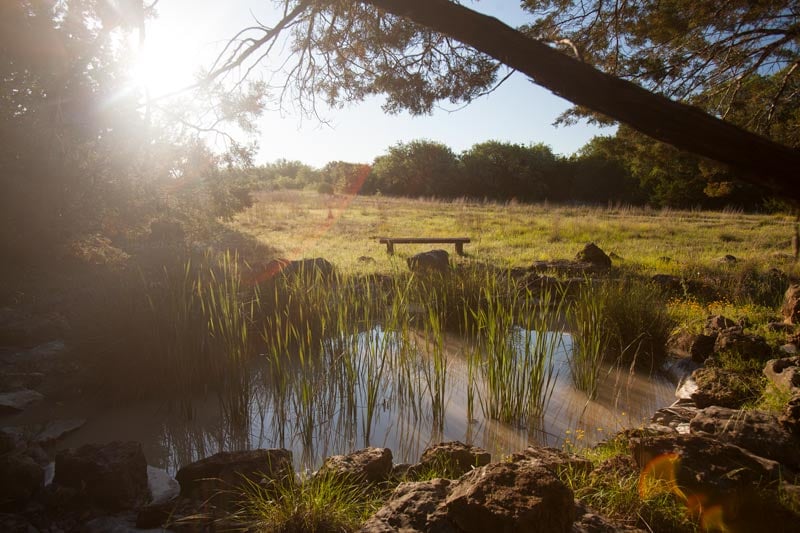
385,393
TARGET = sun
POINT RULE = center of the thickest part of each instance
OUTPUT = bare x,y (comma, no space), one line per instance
161,67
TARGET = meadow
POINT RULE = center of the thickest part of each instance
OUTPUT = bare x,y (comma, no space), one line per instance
342,229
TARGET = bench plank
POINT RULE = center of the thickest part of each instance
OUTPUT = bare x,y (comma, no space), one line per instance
391,241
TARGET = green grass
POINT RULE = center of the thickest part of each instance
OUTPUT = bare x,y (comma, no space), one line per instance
629,497
323,503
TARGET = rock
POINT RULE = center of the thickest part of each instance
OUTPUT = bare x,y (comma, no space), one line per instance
780,327
675,417
164,490
790,418
113,476
592,254
370,465
588,522
13,523
718,323
719,387
21,329
708,473
784,374
669,283
20,479
20,380
617,466
507,496
222,471
309,268
431,261
789,349
58,429
554,460
16,401
791,305
116,524
451,459
410,508
11,440
756,431
162,486
702,347
732,340
516,496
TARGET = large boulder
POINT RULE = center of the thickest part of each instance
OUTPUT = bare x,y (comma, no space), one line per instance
791,305
756,431
506,496
113,476
433,261
784,374
591,253
223,471
370,465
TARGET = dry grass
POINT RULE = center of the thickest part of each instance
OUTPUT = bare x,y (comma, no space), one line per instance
343,229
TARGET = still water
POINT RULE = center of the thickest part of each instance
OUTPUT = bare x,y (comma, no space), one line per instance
323,413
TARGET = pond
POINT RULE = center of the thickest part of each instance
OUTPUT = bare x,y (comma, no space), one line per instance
371,389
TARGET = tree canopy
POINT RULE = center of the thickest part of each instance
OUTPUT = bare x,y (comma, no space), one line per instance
420,51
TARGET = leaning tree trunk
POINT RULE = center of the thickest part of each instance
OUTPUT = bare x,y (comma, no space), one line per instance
765,163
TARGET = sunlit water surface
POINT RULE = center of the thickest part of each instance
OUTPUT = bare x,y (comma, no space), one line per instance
329,418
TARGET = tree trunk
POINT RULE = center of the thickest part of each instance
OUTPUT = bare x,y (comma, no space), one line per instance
764,162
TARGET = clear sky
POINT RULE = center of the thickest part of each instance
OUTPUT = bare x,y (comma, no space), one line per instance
189,33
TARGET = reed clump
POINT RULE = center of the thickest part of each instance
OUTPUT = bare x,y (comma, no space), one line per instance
623,321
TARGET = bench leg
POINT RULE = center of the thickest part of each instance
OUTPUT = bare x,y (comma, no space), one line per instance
390,248
460,248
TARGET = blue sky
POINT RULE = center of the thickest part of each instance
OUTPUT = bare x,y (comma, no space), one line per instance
188,34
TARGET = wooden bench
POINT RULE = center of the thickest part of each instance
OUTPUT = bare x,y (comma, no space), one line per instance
391,241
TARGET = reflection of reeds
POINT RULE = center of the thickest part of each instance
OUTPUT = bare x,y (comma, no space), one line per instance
589,341
513,354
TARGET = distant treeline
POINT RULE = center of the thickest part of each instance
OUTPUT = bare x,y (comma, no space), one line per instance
627,168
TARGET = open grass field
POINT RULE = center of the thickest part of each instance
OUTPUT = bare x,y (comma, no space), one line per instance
342,229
